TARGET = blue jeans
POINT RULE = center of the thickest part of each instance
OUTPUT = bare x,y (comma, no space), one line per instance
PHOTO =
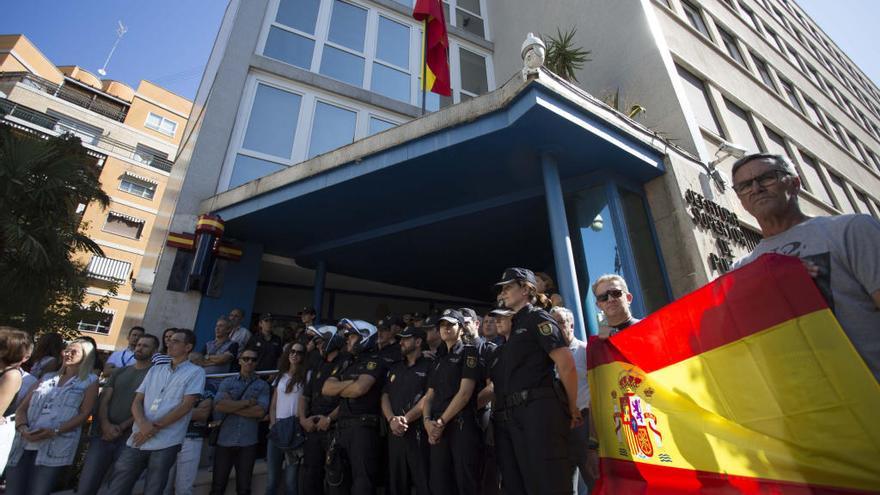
131,464
99,460
27,479
274,464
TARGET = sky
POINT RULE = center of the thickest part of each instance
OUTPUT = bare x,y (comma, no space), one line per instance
168,41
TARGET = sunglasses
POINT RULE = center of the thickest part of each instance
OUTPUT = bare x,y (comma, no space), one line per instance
297,352
615,293
249,359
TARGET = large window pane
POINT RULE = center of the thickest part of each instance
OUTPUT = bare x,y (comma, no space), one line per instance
730,44
247,168
813,181
299,14
644,251
695,18
471,5
333,127
393,45
272,124
763,71
390,82
289,47
699,100
343,66
862,202
837,187
776,143
348,25
740,127
378,125
473,72
470,22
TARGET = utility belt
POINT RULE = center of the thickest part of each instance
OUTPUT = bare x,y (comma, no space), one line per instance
367,420
503,411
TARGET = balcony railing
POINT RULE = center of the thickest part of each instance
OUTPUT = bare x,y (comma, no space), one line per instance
75,96
106,143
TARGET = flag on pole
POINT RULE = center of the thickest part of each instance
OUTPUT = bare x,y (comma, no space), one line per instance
435,46
747,385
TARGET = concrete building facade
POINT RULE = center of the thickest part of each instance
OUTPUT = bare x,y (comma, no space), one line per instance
297,91
133,133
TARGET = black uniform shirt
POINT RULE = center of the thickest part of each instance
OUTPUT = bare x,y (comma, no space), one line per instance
370,402
390,355
527,364
462,361
406,384
495,365
318,402
268,351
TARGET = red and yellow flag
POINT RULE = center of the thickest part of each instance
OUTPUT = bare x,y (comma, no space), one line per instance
747,385
436,46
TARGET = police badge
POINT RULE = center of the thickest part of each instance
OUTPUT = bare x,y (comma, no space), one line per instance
545,328
471,362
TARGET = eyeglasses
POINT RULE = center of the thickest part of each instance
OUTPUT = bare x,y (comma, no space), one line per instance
248,359
766,179
615,293
297,352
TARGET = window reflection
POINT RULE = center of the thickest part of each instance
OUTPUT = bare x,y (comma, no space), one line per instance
378,125
289,47
342,65
332,127
473,72
348,25
247,168
272,124
299,14
393,44
390,82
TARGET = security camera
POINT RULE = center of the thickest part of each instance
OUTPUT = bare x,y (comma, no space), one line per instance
533,54
733,150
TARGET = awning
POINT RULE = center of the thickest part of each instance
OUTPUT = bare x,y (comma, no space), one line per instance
126,217
141,178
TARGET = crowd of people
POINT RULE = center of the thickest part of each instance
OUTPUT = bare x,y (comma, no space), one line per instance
448,403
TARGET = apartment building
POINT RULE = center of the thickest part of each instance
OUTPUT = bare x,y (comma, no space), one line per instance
299,96
134,135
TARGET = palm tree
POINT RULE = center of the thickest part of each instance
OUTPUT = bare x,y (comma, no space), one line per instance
42,182
563,57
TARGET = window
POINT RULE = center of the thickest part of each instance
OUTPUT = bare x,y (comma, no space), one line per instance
666,4
88,134
793,56
763,71
137,186
474,80
838,187
96,322
874,157
144,154
247,168
812,179
109,269
391,74
468,16
332,127
697,96
292,35
343,56
749,14
815,114
776,143
777,41
378,125
788,88
271,126
858,147
817,78
862,202
695,18
740,127
161,124
838,134
732,49
124,225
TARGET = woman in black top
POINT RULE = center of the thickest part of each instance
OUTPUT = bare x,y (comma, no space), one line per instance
534,405
451,406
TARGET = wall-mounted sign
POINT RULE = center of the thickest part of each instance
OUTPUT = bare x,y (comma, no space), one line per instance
724,225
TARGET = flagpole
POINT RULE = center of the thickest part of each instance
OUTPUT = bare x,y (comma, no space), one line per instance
424,67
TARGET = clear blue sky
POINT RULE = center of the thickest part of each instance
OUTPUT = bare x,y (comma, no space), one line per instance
168,41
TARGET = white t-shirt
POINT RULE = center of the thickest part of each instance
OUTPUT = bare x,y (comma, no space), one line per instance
578,350
286,404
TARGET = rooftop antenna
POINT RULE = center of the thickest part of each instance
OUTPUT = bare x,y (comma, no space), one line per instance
120,32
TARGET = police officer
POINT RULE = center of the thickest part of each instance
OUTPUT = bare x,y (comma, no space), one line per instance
402,408
451,405
317,411
359,387
388,349
537,426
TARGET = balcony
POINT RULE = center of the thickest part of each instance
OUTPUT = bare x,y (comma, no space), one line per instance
11,109
69,93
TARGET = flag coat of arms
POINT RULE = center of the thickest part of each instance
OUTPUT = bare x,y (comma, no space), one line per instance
747,385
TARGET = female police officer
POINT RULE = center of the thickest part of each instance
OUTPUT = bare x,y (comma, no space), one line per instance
537,424
450,412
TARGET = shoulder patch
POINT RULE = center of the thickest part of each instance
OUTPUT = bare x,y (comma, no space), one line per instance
371,365
471,362
545,328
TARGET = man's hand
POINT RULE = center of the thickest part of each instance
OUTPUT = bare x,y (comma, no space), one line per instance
308,423
435,430
398,425
324,423
812,268
576,418
110,432
144,434
41,434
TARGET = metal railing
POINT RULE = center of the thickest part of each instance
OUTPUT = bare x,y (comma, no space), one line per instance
69,94
10,108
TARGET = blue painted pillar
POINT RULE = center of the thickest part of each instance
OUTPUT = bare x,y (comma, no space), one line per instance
239,290
566,276
318,296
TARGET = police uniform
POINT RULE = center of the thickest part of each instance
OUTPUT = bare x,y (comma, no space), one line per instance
315,447
357,426
455,459
534,419
408,455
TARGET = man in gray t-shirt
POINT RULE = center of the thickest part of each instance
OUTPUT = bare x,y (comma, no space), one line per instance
840,252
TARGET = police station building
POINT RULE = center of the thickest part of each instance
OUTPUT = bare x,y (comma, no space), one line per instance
307,176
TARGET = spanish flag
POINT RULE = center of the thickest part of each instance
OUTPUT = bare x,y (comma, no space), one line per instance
747,385
435,47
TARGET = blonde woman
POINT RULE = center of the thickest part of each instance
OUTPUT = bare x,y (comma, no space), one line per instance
49,421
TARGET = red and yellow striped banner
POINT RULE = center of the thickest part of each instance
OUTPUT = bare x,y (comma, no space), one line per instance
748,385
181,241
